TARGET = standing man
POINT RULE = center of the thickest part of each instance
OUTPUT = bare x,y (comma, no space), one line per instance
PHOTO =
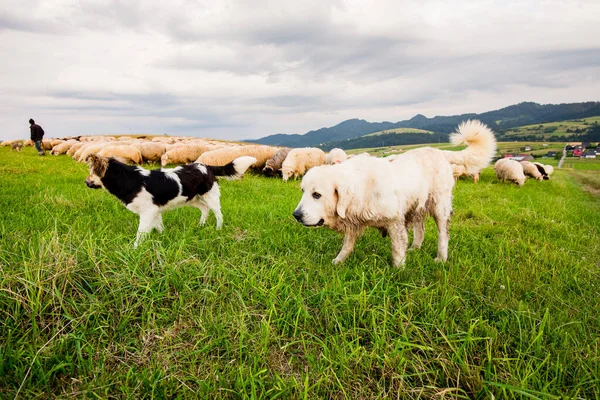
37,133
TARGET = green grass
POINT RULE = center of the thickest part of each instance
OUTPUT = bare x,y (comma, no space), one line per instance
257,310
587,164
400,131
538,149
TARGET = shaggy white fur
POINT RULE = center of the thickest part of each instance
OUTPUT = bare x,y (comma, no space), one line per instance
367,191
481,149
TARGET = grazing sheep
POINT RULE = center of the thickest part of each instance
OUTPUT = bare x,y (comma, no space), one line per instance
63,147
46,144
183,154
28,143
545,170
83,153
9,143
151,151
530,169
123,153
509,170
225,155
336,156
298,161
73,149
273,165
55,142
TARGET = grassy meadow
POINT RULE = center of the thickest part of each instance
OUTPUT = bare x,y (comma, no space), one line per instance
554,128
257,310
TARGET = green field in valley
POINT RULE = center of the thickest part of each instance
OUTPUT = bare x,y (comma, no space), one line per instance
257,310
554,128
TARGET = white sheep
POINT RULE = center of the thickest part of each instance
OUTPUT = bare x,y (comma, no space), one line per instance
545,170
151,151
183,154
530,169
298,161
46,144
84,152
125,153
9,143
336,156
509,170
225,155
63,147
73,149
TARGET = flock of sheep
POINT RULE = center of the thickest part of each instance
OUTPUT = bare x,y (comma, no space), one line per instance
517,171
272,161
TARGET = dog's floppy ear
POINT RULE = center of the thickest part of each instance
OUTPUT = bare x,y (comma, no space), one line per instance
343,200
98,164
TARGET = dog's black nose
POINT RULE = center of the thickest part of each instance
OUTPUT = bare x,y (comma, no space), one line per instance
297,214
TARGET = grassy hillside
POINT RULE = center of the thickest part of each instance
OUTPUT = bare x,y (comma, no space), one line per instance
399,131
257,310
538,148
563,128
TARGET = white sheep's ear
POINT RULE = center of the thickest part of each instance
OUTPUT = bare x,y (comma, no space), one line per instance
343,200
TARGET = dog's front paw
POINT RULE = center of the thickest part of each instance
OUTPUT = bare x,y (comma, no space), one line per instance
336,261
439,259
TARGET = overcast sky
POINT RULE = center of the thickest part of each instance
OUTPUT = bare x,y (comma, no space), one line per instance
251,68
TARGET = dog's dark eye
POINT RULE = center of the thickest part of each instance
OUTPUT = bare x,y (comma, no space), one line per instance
316,195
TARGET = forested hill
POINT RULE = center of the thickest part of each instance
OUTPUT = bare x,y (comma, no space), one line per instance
499,120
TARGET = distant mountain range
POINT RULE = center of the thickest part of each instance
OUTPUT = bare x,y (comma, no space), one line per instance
349,134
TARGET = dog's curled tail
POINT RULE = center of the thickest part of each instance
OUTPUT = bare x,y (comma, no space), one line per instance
234,169
480,141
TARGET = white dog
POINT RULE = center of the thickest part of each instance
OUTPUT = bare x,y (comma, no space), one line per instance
392,196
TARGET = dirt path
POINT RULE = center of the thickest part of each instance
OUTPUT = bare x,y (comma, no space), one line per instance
562,160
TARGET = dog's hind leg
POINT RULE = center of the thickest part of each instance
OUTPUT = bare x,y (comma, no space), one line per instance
399,238
212,200
158,224
349,241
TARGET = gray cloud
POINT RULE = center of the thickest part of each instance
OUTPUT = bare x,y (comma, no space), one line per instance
239,69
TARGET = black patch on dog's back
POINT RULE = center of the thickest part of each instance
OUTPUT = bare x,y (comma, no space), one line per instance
193,181
123,181
225,170
161,187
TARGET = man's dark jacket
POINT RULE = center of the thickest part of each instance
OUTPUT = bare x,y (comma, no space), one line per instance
37,133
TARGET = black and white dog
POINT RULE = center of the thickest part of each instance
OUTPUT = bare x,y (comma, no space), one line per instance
150,192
